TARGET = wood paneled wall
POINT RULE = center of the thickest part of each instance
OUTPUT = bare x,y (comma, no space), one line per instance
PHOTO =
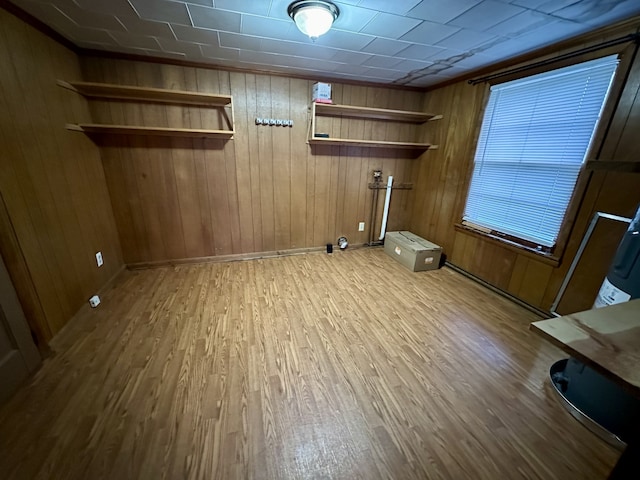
266,190
56,212
441,187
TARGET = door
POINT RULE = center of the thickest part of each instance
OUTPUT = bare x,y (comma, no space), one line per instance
18,354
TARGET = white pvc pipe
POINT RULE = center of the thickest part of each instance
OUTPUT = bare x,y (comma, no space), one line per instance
385,214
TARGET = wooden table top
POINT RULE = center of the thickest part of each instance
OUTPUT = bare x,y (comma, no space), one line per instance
607,339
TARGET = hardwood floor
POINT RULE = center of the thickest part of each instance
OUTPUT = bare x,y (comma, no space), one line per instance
311,366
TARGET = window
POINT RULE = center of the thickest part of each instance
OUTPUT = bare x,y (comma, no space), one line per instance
534,138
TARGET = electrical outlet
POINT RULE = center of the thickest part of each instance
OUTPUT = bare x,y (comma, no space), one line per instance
361,227
99,259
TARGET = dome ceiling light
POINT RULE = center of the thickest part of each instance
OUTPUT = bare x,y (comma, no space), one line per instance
313,18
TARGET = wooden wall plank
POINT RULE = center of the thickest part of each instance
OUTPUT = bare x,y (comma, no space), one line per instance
52,180
534,282
231,170
264,190
244,124
280,107
265,152
619,143
299,162
252,112
441,182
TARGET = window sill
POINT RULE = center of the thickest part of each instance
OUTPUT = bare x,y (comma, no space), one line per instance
543,257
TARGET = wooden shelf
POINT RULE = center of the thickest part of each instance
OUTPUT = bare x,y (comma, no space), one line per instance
153,95
373,113
153,131
371,143
368,113
145,94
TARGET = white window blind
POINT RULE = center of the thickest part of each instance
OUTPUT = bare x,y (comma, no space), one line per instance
533,141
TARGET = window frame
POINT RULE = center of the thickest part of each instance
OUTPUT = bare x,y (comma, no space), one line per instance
626,54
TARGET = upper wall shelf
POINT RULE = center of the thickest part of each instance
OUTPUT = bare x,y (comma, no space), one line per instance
369,113
371,143
152,131
145,94
153,95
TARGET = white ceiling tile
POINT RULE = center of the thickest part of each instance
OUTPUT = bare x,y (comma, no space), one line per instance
204,3
48,14
241,42
474,61
383,73
196,35
213,51
550,6
287,60
419,52
278,9
411,65
136,41
147,27
550,33
294,49
478,32
521,23
88,34
382,61
120,8
485,15
466,40
294,35
598,11
352,18
353,69
190,50
244,6
441,12
390,26
344,40
429,33
352,58
399,7
162,11
531,4
448,57
383,46
265,26
349,12
506,49
90,19
431,80
348,77
215,19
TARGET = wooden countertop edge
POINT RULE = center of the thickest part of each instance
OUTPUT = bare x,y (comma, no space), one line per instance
629,387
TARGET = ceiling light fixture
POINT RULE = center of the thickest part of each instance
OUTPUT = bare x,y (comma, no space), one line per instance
313,18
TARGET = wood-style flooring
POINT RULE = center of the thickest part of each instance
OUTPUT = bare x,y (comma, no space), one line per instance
335,366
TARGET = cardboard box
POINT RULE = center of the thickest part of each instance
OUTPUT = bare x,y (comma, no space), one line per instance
412,251
321,92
